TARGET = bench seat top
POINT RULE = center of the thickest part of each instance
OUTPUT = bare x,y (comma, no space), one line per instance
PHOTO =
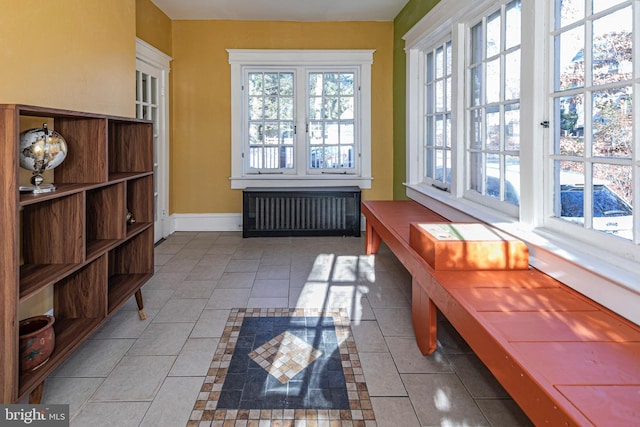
540,338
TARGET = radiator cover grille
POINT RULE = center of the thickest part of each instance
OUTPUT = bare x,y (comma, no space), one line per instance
301,212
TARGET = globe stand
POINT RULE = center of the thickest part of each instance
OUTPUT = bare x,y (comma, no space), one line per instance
38,187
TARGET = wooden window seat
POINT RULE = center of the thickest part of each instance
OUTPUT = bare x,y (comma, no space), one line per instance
566,360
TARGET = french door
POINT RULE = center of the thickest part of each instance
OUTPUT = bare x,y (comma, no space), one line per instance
152,103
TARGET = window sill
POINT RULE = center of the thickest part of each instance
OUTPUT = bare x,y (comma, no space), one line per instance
607,279
283,181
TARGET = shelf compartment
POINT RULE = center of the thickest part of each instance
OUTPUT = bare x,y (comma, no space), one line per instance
106,218
130,146
53,231
130,266
86,150
35,277
139,202
79,306
83,293
70,333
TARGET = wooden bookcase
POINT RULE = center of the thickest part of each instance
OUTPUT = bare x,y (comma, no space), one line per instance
75,241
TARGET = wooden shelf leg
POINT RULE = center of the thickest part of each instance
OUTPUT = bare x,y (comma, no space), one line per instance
141,312
35,397
424,318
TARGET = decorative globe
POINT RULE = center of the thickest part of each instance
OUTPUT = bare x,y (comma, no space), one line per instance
41,149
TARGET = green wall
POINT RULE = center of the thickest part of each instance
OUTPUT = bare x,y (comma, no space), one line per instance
407,18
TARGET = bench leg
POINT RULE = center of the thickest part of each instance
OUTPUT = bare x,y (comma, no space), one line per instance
423,315
373,240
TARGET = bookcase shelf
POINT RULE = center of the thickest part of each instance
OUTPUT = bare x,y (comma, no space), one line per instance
74,243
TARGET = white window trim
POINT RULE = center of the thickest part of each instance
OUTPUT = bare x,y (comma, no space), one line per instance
593,271
240,58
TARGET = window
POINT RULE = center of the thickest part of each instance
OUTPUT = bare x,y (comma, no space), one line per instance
301,118
437,117
493,107
538,138
592,148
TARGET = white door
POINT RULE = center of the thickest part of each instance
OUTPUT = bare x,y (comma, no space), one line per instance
152,103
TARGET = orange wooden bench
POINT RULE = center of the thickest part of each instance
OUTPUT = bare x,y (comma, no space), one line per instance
566,360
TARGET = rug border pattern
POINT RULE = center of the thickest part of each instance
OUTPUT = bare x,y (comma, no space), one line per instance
359,414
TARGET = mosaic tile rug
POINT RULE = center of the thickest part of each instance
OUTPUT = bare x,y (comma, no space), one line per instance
284,367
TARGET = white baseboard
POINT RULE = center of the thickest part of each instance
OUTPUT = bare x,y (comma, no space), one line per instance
206,222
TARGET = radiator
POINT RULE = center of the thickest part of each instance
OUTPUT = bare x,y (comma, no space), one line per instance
301,212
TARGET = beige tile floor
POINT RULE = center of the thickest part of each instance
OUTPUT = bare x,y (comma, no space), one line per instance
149,373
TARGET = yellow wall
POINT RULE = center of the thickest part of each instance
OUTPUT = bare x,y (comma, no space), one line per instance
201,134
153,26
70,54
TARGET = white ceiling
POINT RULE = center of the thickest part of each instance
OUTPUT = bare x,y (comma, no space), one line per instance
282,10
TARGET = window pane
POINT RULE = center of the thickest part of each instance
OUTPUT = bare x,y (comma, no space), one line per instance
600,5
493,129
612,47
272,133
429,66
493,81
494,44
286,108
346,108
315,84
512,76
429,98
439,131
331,135
271,110
448,131
286,133
512,37
439,97
512,180
476,172
255,84
569,139
568,11
316,132
271,84
476,44
347,86
346,157
475,129
315,108
332,157
255,134
493,176
512,127
569,191
612,199
346,134
430,130
256,108
476,85
286,84
331,108
570,59
439,63
612,123
330,84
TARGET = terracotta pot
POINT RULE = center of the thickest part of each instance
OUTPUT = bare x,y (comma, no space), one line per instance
37,339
